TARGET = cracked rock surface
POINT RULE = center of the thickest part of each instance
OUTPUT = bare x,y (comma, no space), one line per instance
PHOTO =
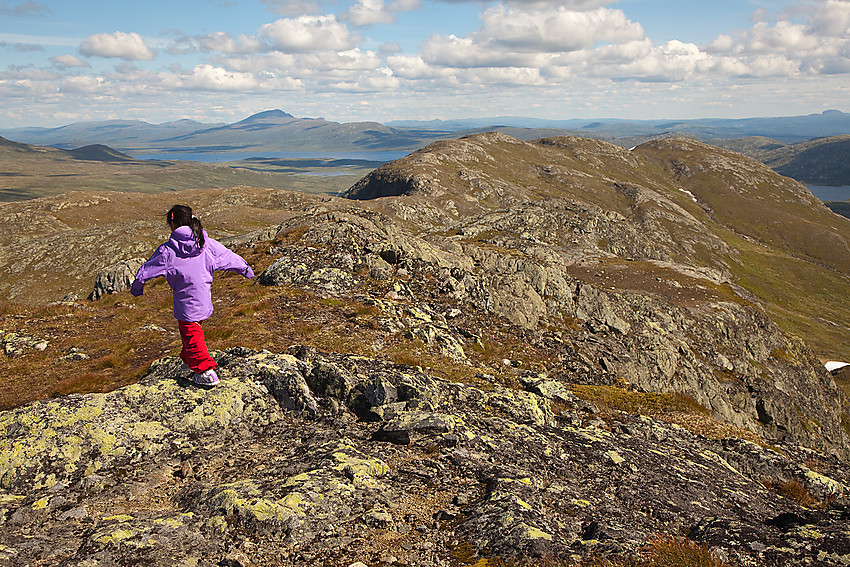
306,457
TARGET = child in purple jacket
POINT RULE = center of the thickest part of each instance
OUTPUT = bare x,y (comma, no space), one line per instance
188,261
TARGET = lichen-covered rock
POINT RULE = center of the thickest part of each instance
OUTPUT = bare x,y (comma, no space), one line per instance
16,344
306,457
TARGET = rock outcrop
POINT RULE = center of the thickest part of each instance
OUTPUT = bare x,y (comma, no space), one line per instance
556,291
690,334
116,278
312,458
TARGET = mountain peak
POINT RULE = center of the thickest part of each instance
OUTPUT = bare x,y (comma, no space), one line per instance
267,114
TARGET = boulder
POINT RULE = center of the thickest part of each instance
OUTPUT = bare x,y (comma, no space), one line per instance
116,278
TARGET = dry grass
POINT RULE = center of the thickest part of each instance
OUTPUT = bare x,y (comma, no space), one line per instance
115,335
675,408
796,492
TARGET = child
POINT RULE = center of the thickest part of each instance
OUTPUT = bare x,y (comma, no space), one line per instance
188,261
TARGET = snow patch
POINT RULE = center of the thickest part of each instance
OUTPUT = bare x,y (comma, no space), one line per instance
689,193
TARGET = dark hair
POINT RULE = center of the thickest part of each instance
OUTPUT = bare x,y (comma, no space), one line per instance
181,215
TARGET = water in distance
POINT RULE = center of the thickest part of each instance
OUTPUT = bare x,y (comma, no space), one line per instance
827,193
191,154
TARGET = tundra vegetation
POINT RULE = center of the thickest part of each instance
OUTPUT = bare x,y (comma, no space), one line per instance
490,352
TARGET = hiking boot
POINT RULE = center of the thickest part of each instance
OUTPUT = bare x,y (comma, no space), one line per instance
206,378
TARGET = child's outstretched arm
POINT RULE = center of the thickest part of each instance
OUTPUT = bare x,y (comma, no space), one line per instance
229,261
156,266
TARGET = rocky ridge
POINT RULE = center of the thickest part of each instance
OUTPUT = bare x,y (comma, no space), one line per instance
615,275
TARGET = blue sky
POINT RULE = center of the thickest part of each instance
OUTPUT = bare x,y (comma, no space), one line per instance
220,60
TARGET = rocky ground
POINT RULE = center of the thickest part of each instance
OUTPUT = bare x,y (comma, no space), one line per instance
308,458
504,370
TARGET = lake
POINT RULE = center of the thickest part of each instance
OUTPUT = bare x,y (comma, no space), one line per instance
827,193
192,155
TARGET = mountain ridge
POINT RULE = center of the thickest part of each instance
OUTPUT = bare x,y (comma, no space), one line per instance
552,351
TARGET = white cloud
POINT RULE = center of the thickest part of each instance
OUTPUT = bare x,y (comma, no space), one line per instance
369,12
69,60
308,33
412,67
208,77
784,36
127,46
556,30
771,65
224,43
453,51
274,61
382,80
786,48
831,19
82,84
25,47
217,79
29,74
501,76
335,61
674,61
404,5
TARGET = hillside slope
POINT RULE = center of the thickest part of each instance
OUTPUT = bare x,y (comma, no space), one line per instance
821,161
685,202
558,349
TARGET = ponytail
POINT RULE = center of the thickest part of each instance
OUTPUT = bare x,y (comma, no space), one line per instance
181,215
197,230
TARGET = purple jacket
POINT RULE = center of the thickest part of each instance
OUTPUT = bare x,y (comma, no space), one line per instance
188,269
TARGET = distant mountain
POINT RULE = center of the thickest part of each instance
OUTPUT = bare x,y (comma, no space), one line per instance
788,129
99,152
95,152
123,134
266,131
276,130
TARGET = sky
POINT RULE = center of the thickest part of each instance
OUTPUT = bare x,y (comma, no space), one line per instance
64,61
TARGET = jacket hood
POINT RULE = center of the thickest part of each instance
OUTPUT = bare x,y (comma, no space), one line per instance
184,241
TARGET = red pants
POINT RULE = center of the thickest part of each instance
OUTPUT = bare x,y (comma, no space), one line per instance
194,352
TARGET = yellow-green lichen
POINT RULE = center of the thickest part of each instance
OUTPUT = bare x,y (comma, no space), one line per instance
834,487
615,457
118,518
145,430
217,525
356,466
116,536
530,532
